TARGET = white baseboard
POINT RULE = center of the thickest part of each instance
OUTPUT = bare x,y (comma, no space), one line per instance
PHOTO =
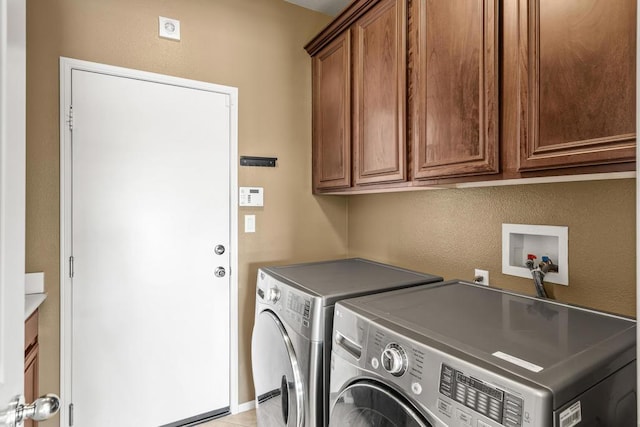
247,406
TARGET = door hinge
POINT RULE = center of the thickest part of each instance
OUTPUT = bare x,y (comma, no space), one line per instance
70,117
71,267
70,414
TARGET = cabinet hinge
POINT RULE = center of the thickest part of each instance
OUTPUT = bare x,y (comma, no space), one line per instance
70,414
71,267
70,117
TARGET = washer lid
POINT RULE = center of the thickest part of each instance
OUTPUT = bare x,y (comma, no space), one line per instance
346,278
563,348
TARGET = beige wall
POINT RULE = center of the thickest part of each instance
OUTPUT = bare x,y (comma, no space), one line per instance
451,232
255,45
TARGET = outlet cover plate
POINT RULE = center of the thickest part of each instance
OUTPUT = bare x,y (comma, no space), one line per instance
168,28
484,274
518,240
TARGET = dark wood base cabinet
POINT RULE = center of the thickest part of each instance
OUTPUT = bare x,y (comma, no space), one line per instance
410,93
31,362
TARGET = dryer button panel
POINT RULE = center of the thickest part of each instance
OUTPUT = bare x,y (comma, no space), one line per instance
490,401
294,308
299,308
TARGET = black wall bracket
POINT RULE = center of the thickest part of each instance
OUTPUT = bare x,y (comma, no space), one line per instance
258,161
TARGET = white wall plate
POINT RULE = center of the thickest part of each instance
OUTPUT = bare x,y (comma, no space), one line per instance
169,28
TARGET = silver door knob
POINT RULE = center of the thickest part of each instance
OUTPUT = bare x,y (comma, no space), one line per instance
219,249
41,409
220,272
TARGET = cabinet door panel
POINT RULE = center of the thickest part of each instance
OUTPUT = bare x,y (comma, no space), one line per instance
332,115
31,380
379,76
454,88
577,77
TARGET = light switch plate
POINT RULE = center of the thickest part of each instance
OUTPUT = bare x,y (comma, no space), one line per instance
169,28
249,223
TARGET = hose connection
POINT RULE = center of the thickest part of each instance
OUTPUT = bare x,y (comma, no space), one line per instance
538,273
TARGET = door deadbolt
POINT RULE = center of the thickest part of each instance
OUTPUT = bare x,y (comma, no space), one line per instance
220,272
219,249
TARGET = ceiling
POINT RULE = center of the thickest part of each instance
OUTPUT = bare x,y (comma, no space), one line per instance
329,7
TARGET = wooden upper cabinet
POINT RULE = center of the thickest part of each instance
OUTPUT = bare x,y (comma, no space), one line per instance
453,87
407,92
379,94
332,114
577,82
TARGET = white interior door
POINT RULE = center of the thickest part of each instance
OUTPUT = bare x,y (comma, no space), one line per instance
150,202
12,200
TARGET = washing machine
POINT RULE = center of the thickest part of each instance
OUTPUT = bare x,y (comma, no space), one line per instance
460,354
291,341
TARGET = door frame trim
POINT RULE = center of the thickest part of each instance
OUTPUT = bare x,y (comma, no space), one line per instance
13,75
66,66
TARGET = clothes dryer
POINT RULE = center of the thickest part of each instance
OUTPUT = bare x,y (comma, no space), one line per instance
460,354
291,341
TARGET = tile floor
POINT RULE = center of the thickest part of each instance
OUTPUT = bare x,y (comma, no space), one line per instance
243,419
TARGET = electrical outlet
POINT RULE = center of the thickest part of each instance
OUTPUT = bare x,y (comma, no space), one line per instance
481,277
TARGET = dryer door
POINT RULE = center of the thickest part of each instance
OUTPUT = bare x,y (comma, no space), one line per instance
276,374
367,403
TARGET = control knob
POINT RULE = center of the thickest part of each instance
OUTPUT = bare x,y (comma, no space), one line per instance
273,295
394,359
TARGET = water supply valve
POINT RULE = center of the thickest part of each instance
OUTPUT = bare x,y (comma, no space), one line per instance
546,265
530,263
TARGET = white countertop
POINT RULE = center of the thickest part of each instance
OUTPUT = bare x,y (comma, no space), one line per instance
32,302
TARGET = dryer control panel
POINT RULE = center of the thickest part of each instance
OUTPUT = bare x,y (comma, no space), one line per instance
294,308
298,308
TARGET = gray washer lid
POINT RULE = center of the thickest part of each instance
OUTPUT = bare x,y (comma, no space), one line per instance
575,347
334,280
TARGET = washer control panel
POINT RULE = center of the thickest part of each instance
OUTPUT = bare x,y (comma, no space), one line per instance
500,406
394,359
398,360
453,389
